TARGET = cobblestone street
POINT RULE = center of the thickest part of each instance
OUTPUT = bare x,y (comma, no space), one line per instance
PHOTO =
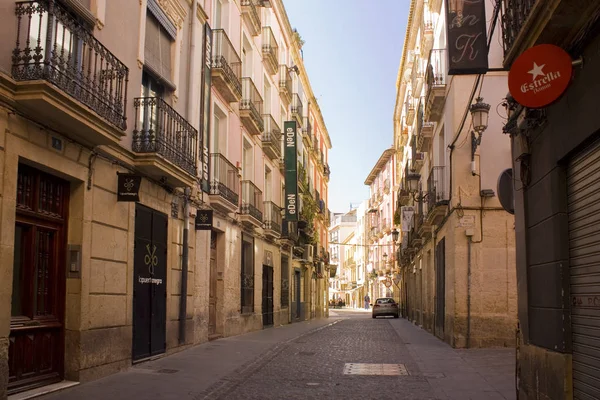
348,356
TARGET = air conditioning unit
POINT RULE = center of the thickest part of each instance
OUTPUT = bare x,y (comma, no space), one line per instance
309,252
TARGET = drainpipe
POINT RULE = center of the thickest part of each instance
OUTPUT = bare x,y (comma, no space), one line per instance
192,63
469,237
184,267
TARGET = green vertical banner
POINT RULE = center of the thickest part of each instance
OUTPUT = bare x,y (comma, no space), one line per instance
205,110
291,170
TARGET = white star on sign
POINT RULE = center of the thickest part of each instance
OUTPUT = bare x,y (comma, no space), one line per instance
537,71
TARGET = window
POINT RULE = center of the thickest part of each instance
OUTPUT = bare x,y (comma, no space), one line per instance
267,195
247,278
267,96
220,129
285,281
247,161
157,48
218,14
149,117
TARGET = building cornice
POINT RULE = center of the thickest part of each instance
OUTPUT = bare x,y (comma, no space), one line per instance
383,159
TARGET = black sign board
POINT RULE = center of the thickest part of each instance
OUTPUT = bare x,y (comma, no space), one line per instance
204,220
128,187
467,39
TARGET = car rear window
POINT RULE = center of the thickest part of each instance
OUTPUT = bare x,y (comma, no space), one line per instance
385,301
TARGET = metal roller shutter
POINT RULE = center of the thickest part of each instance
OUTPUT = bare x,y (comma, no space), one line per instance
583,179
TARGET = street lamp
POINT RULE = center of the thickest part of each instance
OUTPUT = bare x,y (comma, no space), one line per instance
480,113
413,179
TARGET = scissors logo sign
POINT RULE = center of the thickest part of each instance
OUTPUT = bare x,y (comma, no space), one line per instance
151,259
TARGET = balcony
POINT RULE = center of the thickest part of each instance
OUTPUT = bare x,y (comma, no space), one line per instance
270,50
226,67
251,16
529,22
423,225
326,172
435,85
307,131
272,219
297,108
409,109
418,160
285,84
165,143
66,77
289,230
271,138
425,136
386,186
437,197
224,184
251,211
251,108
426,28
302,178
416,76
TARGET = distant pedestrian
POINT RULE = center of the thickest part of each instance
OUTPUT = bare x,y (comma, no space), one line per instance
367,302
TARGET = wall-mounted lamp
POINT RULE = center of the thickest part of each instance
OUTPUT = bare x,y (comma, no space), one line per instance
395,235
294,68
413,179
480,113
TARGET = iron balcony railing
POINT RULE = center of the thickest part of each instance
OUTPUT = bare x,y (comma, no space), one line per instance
252,202
296,105
436,69
54,46
306,127
224,179
326,170
272,135
273,219
285,81
250,8
436,187
270,49
514,15
416,73
252,100
225,58
160,129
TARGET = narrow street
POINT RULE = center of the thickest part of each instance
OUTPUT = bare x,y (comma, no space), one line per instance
348,356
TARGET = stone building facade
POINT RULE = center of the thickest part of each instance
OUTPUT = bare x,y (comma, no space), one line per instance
555,162
458,243
120,124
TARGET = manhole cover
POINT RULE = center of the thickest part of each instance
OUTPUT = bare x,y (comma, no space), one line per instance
307,353
167,371
374,369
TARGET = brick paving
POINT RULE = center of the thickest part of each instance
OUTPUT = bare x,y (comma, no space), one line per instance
307,361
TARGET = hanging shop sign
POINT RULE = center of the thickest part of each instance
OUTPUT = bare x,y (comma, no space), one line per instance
540,75
128,187
205,110
467,38
204,220
291,170
407,213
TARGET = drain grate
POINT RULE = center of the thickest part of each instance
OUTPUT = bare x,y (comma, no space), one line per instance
167,371
374,369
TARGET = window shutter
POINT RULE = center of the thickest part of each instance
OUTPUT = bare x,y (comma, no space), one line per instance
157,48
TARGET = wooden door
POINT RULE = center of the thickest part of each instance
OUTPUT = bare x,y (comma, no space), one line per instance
36,342
149,283
212,292
440,288
267,295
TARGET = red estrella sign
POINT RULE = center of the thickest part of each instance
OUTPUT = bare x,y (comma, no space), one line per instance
540,75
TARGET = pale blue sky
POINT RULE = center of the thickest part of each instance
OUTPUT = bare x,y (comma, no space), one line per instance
352,52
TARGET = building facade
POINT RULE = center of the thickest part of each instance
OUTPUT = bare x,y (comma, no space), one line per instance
457,251
555,169
342,227
142,182
381,247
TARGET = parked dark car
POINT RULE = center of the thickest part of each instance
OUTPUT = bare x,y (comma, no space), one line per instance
385,306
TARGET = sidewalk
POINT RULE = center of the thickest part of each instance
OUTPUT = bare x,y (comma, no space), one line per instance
460,373
186,374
